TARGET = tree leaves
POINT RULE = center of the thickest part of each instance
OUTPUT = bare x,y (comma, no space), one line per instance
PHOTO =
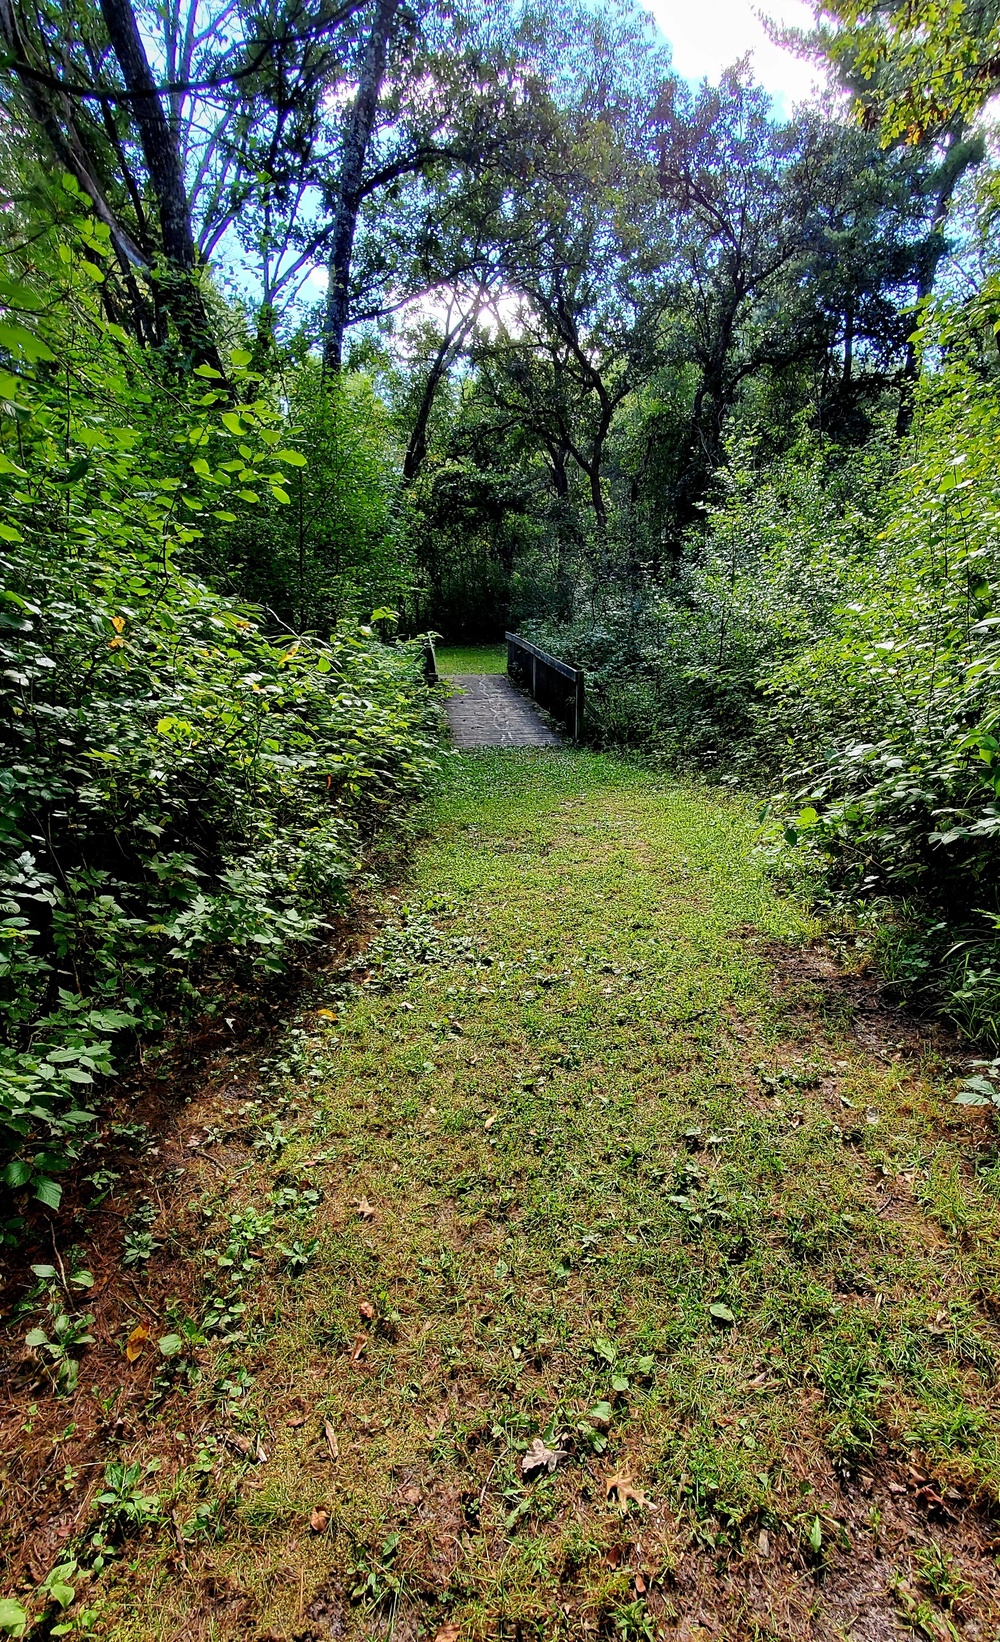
136,1343
622,1486
13,1618
540,1458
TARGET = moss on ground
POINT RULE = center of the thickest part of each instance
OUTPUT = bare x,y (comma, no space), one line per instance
595,1170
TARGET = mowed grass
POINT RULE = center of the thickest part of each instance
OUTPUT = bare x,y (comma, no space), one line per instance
481,658
589,1175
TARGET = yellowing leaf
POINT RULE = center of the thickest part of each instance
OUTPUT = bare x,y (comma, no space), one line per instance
622,1486
136,1341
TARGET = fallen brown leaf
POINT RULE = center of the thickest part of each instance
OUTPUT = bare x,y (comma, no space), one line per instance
540,1458
622,1485
491,1120
360,1342
136,1340
364,1208
296,1419
319,1519
412,1496
447,1633
331,1440
367,1311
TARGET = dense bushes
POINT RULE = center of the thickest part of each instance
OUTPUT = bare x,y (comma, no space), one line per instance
182,790
898,710
682,668
332,550
834,634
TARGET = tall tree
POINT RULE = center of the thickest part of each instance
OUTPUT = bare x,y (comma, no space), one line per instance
358,127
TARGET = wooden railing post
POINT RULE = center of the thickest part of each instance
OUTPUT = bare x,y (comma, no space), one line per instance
546,671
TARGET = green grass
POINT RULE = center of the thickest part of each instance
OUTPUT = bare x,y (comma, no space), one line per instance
482,658
583,1115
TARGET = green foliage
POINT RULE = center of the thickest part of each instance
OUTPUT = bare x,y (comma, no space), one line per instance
836,626
58,1349
917,70
182,790
898,704
681,667
322,548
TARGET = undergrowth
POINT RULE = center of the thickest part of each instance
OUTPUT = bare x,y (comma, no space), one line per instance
576,1262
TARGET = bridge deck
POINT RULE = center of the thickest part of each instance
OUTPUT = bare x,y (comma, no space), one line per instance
489,712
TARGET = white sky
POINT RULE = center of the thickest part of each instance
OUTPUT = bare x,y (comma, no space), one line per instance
709,35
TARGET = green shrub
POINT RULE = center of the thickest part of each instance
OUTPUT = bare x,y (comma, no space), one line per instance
898,709
182,791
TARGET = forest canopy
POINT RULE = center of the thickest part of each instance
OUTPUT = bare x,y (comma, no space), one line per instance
324,325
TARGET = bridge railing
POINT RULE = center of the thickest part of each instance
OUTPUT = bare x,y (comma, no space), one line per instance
430,660
554,684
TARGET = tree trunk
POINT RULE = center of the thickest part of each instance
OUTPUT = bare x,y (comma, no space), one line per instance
452,340
358,126
63,137
846,374
960,154
176,288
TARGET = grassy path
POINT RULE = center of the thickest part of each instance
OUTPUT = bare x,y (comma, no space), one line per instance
569,1162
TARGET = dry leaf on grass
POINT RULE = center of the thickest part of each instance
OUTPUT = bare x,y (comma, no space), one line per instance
491,1120
540,1458
367,1311
622,1485
260,1453
319,1519
447,1633
364,1208
136,1340
360,1342
331,1440
412,1496
296,1420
